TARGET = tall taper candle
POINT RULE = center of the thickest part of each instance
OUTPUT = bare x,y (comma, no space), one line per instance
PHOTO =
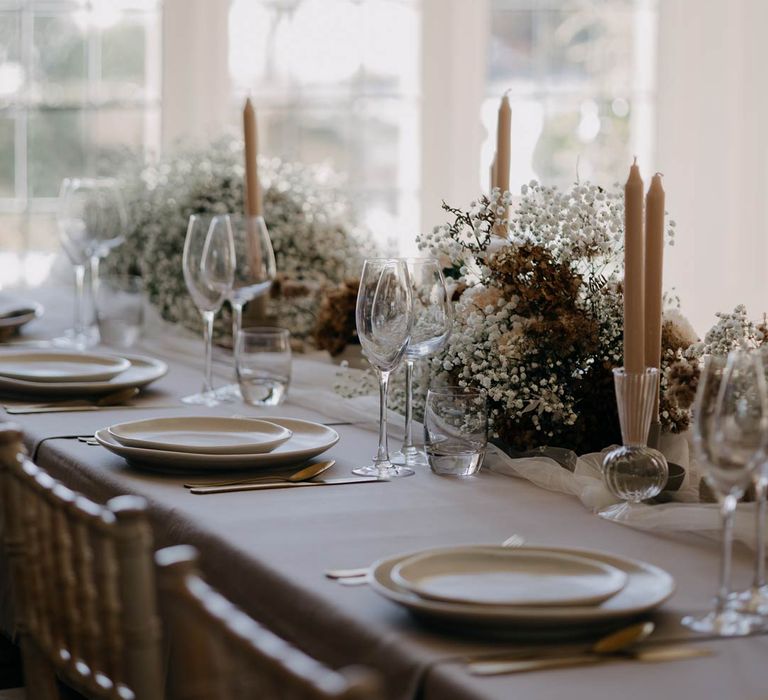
634,282
253,204
503,144
654,266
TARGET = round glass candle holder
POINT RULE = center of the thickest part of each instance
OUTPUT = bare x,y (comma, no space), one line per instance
635,472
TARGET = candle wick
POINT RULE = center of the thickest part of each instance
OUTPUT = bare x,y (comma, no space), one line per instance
634,162
660,174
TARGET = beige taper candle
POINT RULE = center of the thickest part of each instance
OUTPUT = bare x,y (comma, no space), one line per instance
654,267
634,275
253,203
503,145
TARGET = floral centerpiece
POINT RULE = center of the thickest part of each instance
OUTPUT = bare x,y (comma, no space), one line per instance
539,323
314,242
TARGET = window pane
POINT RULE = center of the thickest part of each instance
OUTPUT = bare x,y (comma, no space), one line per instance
11,70
59,59
56,150
511,60
7,157
113,136
123,54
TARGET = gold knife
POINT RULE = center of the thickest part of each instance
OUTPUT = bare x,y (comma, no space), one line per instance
202,491
649,655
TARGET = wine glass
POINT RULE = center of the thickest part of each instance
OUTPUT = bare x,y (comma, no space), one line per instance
208,265
254,271
755,600
92,220
384,318
729,437
432,321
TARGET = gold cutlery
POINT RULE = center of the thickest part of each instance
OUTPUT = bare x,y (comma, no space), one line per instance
114,398
612,647
359,577
678,652
285,485
304,474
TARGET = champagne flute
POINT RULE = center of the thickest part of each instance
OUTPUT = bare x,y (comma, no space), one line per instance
254,272
432,322
208,265
384,318
729,438
92,220
755,600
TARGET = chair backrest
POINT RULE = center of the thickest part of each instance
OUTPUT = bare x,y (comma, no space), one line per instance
83,584
227,655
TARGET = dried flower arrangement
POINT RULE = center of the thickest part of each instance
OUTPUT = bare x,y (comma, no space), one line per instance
539,321
315,243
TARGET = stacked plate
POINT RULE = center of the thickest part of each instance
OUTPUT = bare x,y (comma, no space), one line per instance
208,443
529,592
62,374
14,313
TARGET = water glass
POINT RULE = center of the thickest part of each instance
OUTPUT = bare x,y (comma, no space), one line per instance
120,309
263,365
455,431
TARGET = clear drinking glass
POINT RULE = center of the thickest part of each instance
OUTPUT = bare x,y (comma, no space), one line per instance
263,365
455,430
208,265
432,321
755,600
729,433
120,309
92,220
384,317
255,270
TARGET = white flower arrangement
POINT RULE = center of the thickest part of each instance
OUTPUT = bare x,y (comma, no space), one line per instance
538,323
314,242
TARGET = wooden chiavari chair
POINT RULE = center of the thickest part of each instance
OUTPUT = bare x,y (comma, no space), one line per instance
227,655
83,584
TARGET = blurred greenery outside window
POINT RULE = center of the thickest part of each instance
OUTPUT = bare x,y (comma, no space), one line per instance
79,88
579,74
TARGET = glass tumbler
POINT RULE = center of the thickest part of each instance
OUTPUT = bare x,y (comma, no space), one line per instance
455,430
263,365
120,309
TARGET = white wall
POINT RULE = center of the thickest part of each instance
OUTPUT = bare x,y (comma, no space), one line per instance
712,146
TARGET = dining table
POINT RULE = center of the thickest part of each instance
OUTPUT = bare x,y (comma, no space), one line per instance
268,550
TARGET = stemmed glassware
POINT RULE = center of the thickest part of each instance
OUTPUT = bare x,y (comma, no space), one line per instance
208,263
755,600
254,271
92,220
384,318
432,321
729,436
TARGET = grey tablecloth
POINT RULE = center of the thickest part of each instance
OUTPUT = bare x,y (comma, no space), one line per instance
267,551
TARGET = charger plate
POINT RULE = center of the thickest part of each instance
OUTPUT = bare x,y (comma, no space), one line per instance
57,366
508,576
202,434
646,588
141,372
308,440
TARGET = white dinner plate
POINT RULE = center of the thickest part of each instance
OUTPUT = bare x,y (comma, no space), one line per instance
142,371
60,366
646,588
505,576
308,440
202,434
14,313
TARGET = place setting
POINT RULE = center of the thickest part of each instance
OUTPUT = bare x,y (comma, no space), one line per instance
63,380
